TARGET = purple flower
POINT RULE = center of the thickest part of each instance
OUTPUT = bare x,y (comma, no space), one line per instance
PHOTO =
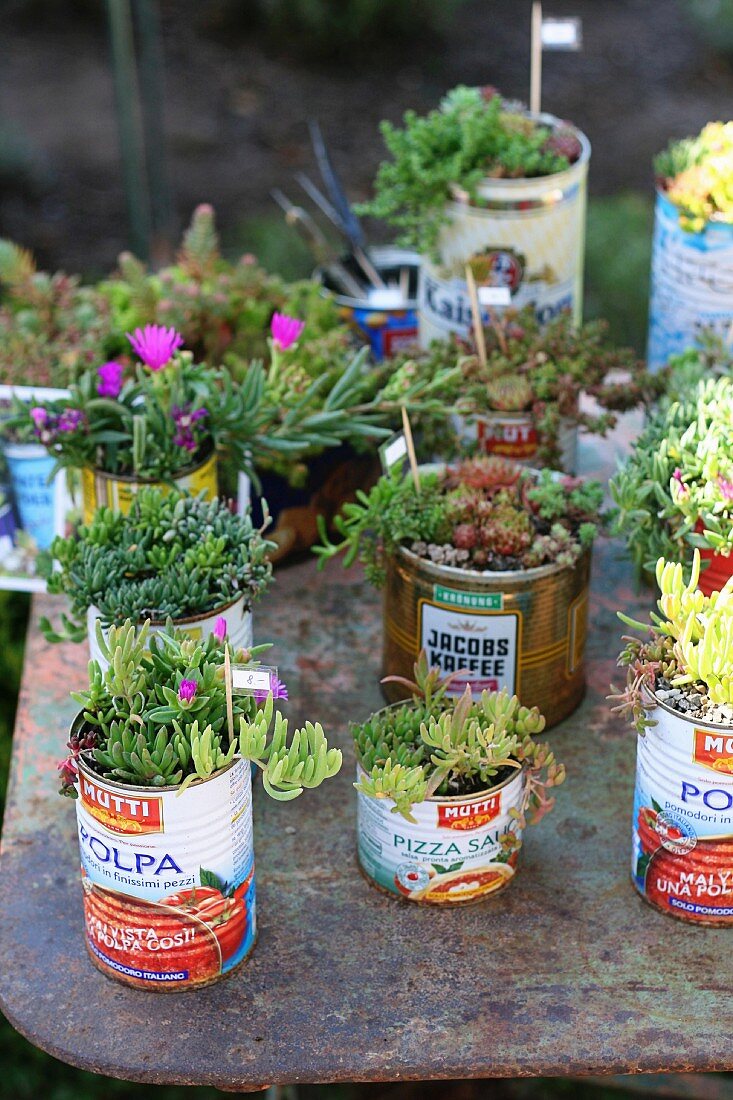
726,488
187,691
285,330
220,629
70,420
677,476
110,379
184,420
155,344
39,416
278,689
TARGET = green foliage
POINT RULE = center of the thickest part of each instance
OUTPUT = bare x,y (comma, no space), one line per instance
160,717
437,746
678,474
617,279
469,137
483,514
697,176
172,556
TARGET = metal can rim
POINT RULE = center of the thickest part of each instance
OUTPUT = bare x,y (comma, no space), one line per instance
152,481
683,717
196,616
381,256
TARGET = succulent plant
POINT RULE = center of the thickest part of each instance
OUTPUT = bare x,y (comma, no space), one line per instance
436,745
166,717
483,513
173,556
697,176
509,394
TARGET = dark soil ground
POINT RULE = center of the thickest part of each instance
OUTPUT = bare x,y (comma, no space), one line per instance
236,107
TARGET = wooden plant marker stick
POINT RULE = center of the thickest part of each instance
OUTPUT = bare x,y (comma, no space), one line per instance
228,689
535,70
410,448
478,328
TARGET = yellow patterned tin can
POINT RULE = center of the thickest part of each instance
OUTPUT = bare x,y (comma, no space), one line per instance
524,630
117,491
527,235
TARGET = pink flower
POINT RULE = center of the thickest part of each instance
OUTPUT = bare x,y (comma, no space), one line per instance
285,330
220,629
677,476
726,488
70,420
184,420
110,379
187,691
39,416
278,689
155,344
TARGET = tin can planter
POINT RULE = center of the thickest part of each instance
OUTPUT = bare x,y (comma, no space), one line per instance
682,853
199,627
117,491
459,851
7,518
524,631
36,498
389,325
168,878
691,283
515,436
527,235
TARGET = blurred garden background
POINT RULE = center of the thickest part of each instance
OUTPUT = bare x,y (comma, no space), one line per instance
231,85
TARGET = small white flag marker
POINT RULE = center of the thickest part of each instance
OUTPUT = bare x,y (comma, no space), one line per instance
561,34
494,295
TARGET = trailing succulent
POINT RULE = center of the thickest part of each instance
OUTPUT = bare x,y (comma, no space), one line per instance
689,647
173,556
474,133
164,717
440,746
483,514
675,489
532,369
697,176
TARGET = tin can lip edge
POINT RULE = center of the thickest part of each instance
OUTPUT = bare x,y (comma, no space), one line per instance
152,481
382,256
659,703
503,576
83,766
195,617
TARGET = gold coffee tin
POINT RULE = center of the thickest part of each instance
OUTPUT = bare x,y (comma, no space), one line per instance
524,631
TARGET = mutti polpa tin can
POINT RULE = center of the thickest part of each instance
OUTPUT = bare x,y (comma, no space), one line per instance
527,235
682,856
168,878
117,491
691,284
524,631
516,436
238,618
388,318
459,850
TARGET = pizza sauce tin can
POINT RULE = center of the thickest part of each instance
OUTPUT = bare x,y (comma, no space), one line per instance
168,878
682,852
458,851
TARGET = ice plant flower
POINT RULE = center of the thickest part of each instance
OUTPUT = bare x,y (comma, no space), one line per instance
726,488
187,691
110,379
39,416
184,420
220,629
70,420
277,688
155,344
285,330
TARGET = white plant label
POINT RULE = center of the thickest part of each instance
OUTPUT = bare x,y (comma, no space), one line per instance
562,34
482,647
248,679
393,451
494,296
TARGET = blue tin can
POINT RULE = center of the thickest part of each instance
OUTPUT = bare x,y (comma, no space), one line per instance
387,318
691,283
29,468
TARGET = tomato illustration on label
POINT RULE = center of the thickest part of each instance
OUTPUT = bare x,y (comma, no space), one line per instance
225,916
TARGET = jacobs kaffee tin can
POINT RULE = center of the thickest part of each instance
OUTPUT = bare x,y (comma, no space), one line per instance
116,491
691,284
682,856
168,878
527,235
459,850
238,618
524,631
516,436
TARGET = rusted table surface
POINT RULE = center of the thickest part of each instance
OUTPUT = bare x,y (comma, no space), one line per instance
566,972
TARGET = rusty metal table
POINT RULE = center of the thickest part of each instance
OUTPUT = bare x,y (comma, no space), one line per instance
568,972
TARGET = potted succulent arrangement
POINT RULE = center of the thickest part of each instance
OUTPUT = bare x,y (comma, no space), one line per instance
693,242
445,789
674,491
160,765
172,557
485,565
521,398
479,182
679,697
